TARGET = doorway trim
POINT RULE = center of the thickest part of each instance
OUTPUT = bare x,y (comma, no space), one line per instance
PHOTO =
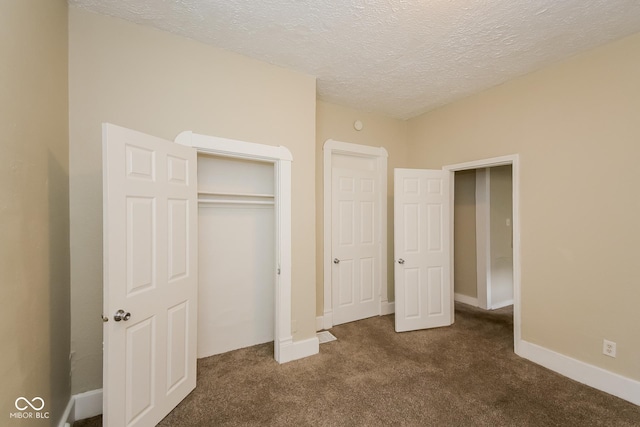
514,161
285,349
380,154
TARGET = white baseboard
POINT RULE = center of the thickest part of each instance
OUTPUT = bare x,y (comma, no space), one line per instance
466,299
387,307
319,323
68,416
299,349
81,406
502,304
88,404
609,382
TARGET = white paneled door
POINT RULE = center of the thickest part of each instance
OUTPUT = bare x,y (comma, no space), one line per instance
423,287
150,276
355,277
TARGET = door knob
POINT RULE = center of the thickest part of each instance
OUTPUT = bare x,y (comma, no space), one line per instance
336,261
400,261
121,315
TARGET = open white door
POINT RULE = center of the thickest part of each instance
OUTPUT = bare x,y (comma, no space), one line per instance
423,291
150,276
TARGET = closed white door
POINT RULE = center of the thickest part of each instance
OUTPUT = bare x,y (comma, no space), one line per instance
423,288
150,276
237,268
355,245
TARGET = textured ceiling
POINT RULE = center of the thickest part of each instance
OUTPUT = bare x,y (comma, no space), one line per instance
397,57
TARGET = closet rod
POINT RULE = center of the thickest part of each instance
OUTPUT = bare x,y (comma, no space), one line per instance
235,202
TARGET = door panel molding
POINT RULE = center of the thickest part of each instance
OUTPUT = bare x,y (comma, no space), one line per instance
379,155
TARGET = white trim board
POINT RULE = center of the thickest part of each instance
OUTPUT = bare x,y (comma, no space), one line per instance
466,300
82,406
387,308
593,376
295,350
88,404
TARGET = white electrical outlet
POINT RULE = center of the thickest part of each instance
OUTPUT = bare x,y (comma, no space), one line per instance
609,348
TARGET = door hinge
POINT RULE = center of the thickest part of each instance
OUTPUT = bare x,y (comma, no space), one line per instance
278,270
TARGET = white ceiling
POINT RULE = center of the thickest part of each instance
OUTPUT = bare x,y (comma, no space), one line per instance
396,57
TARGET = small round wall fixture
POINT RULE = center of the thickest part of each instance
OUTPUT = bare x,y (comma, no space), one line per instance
357,125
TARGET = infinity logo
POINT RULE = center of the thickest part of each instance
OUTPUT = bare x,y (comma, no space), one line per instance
32,403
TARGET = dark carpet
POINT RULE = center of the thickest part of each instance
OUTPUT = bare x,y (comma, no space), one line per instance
463,375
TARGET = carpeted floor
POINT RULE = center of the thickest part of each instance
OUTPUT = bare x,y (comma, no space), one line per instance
463,375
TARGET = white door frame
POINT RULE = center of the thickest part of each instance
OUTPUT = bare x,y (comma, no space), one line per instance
284,349
330,148
514,161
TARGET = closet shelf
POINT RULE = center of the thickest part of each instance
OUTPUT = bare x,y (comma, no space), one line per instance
227,194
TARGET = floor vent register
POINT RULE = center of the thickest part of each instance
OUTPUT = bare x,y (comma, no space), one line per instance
325,336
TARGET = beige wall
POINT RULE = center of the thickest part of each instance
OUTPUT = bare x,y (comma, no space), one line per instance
34,207
576,128
161,84
336,122
464,228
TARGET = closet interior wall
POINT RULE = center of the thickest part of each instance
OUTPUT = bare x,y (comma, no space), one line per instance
236,259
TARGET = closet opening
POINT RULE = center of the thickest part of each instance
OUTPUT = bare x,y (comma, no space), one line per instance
236,253
265,164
